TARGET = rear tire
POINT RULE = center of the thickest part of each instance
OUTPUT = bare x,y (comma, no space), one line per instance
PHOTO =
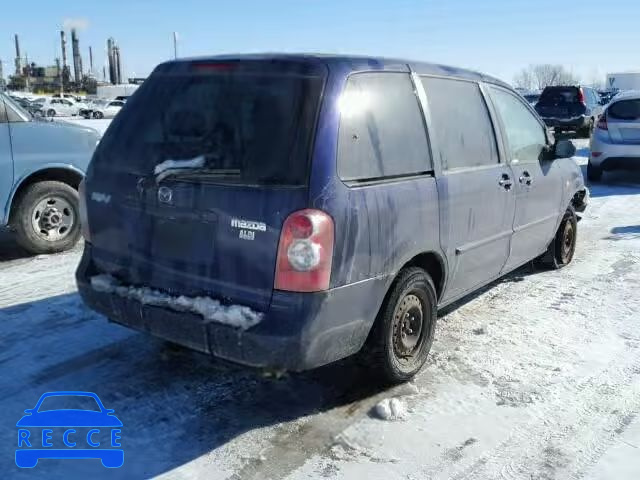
98,115
403,332
51,112
594,174
46,218
585,132
563,247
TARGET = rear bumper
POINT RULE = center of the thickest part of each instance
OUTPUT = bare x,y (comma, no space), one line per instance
620,163
300,331
573,123
614,156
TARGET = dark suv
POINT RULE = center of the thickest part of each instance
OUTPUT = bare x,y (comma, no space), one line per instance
288,211
570,108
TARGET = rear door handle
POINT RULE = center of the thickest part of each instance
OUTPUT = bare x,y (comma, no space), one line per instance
505,182
525,179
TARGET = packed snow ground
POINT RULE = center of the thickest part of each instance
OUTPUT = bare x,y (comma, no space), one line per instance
535,377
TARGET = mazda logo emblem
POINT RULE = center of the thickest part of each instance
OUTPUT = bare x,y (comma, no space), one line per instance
165,194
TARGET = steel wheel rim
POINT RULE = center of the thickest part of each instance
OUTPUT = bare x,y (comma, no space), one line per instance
53,218
568,239
408,328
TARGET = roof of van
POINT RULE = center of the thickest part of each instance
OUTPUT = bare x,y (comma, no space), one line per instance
357,63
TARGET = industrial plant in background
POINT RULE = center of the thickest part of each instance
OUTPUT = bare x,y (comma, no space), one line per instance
58,78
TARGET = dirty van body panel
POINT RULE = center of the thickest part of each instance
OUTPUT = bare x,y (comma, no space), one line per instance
214,230
476,225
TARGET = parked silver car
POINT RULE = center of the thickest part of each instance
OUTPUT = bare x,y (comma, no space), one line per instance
615,143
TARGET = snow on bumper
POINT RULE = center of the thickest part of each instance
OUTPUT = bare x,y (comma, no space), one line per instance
237,316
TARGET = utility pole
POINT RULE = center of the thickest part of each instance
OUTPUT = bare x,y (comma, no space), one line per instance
26,60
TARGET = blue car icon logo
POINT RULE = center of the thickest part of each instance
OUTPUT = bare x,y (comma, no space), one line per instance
69,425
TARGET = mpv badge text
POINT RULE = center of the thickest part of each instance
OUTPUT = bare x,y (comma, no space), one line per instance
68,425
248,228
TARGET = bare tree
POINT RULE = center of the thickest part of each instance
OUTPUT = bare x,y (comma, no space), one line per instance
524,79
544,75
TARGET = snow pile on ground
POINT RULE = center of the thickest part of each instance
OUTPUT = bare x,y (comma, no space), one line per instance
238,316
390,409
163,168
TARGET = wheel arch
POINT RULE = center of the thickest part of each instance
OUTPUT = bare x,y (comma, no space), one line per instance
65,174
434,265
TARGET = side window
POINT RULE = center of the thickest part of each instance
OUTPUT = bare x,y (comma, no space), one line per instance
12,116
3,112
461,123
382,132
525,135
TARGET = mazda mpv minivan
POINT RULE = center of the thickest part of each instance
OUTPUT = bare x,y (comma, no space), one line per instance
287,211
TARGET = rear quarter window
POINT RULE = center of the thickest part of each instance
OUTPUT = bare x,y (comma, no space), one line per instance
625,110
461,123
382,132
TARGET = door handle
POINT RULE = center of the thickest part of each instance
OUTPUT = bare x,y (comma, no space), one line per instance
525,179
505,182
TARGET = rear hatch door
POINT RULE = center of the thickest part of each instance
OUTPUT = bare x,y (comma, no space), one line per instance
623,120
560,102
201,168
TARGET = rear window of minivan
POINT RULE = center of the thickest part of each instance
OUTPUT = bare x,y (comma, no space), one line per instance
247,122
555,95
625,110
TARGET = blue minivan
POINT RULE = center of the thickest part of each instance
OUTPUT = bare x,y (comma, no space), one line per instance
41,166
288,211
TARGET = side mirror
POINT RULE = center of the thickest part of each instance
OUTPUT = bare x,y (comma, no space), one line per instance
564,149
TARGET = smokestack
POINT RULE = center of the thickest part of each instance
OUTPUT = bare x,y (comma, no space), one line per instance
63,43
77,60
118,66
18,58
90,60
112,61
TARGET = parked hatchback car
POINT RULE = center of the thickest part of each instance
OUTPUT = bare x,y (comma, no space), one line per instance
41,165
615,144
289,211
570,107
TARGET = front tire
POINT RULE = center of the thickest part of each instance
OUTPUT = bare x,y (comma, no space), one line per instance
98,115
594,174
46,218
563,247
402,335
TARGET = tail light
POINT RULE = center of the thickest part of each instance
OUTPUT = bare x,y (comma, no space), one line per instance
82,211
305,252
581,98
602,122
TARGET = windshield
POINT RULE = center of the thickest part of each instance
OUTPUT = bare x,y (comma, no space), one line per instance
16,106
69,402
252,123
557,95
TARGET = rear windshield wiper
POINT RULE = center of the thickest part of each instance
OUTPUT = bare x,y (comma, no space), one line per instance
196,166
203,173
